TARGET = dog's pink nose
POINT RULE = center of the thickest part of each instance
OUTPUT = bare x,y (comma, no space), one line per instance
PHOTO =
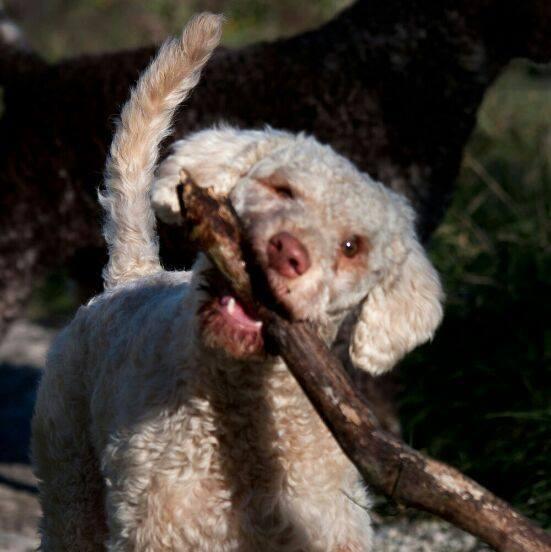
288,255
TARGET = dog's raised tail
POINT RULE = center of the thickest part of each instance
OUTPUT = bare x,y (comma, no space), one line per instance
145,120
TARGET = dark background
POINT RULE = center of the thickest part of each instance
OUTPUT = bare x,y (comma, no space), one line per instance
479,396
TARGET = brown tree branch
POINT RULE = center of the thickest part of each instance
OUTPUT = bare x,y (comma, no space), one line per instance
384,461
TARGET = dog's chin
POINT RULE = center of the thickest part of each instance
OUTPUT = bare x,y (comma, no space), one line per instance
227,327
291,297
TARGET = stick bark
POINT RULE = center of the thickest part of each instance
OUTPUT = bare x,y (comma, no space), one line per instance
383,460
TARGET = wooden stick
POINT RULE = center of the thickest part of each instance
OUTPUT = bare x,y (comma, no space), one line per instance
384,461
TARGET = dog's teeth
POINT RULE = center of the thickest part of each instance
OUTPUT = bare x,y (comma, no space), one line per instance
257,324
231,305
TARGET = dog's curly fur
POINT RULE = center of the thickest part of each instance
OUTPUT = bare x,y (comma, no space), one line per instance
160,423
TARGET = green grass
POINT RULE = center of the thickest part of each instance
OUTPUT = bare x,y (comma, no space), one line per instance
479,396
59,28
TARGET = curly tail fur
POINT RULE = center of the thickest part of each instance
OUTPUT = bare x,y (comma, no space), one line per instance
144,122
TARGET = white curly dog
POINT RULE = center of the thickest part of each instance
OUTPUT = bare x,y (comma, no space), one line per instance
160,423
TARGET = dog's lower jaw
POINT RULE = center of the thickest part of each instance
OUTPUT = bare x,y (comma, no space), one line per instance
225,326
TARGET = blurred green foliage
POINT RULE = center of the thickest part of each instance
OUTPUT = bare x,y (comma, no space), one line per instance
479,396
62,27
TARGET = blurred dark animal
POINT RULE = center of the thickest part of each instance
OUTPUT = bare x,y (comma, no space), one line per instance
398,95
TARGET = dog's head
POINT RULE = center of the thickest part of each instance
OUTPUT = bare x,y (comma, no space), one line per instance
329,238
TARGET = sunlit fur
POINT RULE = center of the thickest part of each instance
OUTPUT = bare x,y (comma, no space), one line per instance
147,436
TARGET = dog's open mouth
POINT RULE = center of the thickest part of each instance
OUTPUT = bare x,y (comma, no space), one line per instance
236,316
229,325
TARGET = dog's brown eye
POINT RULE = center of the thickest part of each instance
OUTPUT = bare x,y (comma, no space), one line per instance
350,246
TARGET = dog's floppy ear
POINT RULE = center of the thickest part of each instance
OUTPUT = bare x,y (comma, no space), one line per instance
399,313
215,158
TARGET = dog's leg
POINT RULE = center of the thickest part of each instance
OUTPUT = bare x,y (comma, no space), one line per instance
335,521
70,484
73,511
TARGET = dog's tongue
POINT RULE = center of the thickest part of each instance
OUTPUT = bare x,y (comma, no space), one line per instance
233,310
